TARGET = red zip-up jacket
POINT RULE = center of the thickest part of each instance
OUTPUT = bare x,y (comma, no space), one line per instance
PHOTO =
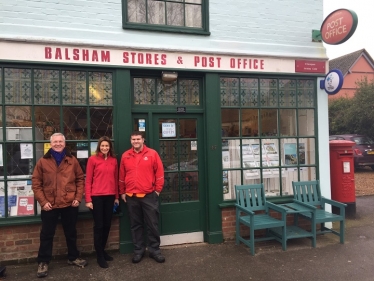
101,177
142,173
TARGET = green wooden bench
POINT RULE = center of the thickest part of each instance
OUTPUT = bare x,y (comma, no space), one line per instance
252,210
309,192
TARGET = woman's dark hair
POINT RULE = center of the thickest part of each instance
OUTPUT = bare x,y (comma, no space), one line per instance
111,149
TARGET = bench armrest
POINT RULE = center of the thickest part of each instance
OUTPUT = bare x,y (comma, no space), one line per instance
332,202
244,210
275,207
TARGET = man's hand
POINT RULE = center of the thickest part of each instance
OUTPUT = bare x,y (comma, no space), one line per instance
89,205
123,196
75,203
47,207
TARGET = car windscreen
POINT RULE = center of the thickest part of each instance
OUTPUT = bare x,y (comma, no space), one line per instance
363,140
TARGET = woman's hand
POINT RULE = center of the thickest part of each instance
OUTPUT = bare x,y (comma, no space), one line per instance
89,205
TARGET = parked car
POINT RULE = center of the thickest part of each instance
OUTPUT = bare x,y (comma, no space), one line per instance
363,149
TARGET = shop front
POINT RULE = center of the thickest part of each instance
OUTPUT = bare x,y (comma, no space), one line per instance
216,121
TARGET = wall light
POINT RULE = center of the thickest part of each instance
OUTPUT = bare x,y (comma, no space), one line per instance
169,77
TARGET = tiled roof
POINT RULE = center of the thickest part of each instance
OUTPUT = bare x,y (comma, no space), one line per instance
344,63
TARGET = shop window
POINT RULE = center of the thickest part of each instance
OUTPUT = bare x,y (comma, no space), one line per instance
152,91
268,133
37,102
190,16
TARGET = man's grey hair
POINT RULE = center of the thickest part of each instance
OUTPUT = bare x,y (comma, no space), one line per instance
57,134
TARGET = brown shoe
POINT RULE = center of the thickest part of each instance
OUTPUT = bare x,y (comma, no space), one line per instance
42,270
78,262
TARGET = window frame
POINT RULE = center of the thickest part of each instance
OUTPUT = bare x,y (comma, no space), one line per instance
6,178
277,138
168,28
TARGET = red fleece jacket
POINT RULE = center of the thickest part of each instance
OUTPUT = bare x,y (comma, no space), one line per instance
101,177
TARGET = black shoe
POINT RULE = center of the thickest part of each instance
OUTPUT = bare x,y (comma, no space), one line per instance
107,257
102,262
137,258
158,257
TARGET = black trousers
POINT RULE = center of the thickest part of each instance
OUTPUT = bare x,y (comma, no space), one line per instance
69,217
102,214
144,210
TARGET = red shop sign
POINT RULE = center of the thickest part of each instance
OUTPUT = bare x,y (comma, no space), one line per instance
339,26
310,66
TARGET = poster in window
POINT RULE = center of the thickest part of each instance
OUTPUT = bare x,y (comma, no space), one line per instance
270,149
20,198
169,130
290,154
256,149
26,150
2,200
225,182
1,155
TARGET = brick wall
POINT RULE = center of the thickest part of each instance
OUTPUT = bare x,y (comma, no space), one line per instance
20,243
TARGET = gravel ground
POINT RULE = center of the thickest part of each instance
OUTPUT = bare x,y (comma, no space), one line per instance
364,181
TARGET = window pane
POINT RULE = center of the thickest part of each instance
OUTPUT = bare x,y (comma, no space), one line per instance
306,122
16,166
288,122
175,14
156,12
101,88
249,121
193,16
74,87
249,92
75,123
17,84
229,91
47,121
1,122
229,180
230,122
305,93
167,93
136,11
187,128
46,86
101,122
268,92
269,122
189,92
307,151
287,93
144,91
18,123
308,174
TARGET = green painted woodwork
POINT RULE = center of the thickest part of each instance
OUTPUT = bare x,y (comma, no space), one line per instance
214,158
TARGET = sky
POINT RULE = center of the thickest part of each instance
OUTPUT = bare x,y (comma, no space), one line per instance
363,38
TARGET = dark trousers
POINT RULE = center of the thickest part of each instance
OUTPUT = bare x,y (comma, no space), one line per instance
102,214
69,217
144,210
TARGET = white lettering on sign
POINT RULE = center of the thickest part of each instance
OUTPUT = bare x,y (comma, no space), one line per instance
35,52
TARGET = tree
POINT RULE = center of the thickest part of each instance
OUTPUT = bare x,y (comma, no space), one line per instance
354,115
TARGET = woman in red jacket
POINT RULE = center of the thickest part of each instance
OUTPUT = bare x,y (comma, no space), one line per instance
101,194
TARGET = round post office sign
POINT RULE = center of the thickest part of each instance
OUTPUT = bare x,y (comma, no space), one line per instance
333,81
339,26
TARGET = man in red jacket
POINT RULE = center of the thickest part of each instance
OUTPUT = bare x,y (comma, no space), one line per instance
141,179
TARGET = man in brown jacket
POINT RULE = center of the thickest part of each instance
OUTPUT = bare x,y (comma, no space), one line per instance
58,184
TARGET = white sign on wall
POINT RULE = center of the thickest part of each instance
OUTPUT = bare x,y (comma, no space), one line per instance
36,52
168,130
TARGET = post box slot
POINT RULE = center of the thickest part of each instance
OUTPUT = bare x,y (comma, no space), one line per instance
345,154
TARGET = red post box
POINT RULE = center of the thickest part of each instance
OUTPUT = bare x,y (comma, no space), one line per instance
342,174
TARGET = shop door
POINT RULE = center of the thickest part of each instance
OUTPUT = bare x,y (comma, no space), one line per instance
179,143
